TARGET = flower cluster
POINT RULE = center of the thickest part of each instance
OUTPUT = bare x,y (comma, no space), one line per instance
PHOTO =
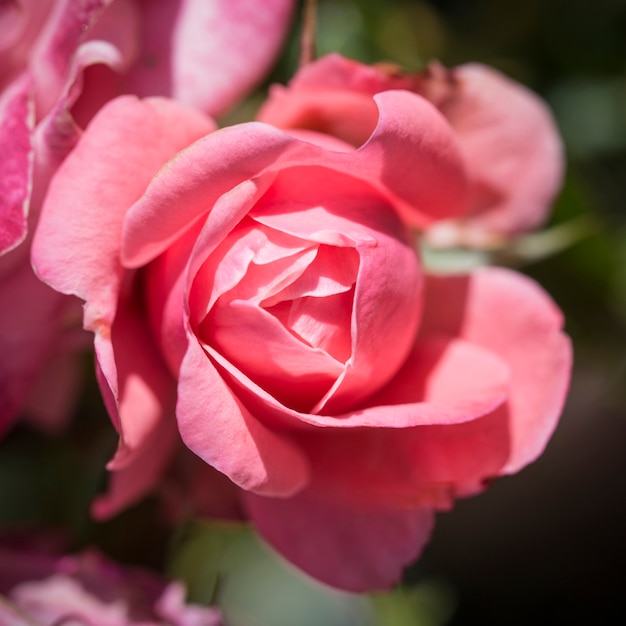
260,309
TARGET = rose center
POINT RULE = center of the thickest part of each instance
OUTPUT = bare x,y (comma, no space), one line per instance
281,310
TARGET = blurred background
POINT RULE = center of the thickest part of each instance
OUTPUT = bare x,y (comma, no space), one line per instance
545,546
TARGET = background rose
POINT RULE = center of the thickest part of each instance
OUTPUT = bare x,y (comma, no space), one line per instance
265,284
40,588
60,61
511,148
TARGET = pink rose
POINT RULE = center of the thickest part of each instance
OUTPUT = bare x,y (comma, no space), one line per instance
511,149
60,61
90,589
264,289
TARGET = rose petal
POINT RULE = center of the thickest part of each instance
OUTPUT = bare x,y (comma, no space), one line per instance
82,219
29,334
141,473
217,427
411,157
348,547
89,196
332,95
429,399
410,467
16,166
20,24
511,316
143,391
511,146
294,372
52,56
216,52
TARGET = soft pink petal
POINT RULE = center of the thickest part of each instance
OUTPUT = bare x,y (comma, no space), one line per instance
66,28
336,73
217,427
411,157
20,24
90,83
416,155
290,369
350,116
332,95
30,322
208,54
511,146
141,386
16,163
82,220
140,396
56,391
514,318
459,381
402,468
431,398
196,179
356,548
435,432
88,198
127,485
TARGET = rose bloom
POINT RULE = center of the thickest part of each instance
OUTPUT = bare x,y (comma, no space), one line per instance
259,294
60,61
511,149
39,589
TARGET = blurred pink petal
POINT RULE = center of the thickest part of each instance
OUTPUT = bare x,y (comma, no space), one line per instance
16,124
511,146
31,329
508,139
350,547
217,51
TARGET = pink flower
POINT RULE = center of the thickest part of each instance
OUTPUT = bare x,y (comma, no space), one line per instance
90,589
60,61
263,287
511,150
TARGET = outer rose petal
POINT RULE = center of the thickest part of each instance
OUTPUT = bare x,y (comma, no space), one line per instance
20,23
514,318
404,468
508,138
16,125
88,198
140,474
429,185
218,49
82,217
349,547
511,146
216,426
332,95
